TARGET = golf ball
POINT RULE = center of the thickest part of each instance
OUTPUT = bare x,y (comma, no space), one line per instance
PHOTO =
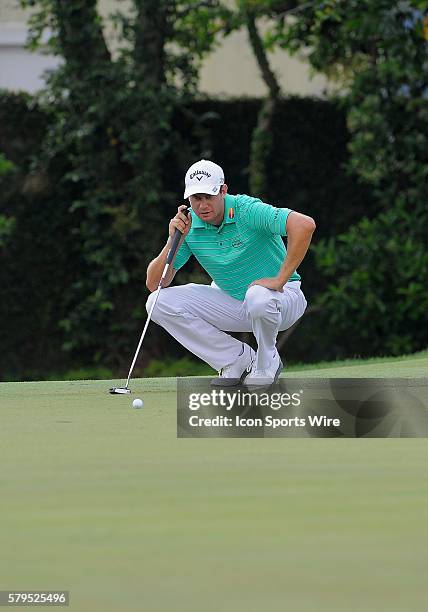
137,403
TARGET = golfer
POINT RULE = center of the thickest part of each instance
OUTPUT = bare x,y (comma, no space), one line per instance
255,286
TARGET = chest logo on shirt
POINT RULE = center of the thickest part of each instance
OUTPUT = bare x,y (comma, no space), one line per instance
236,242
231,213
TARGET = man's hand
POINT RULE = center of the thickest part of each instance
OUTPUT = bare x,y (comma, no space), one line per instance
270,283
181,222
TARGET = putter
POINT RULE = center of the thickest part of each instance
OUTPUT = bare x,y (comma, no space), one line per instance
169,258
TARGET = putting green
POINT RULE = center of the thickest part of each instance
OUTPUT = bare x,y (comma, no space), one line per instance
103,500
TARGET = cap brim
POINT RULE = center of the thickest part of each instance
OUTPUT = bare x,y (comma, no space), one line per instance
208,189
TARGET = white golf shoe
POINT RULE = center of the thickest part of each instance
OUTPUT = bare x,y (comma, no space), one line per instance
234,373
265,378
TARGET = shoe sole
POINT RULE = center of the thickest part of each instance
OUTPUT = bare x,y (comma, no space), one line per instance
278,372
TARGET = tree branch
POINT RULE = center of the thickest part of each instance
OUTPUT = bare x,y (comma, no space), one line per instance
260,54
262,137
80,33
195,7
150,37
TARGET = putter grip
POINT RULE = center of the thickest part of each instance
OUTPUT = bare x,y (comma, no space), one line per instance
174,244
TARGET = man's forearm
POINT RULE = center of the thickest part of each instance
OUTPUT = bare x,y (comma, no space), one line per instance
297,247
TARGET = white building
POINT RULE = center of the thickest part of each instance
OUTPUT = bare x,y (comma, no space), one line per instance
231,70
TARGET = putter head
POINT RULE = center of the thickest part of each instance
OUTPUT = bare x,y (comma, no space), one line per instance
119,390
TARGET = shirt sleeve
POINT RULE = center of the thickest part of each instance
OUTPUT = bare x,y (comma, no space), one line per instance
183,255
263,217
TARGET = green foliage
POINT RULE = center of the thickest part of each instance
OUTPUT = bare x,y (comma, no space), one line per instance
6,229
6,166
107,146
177,367
43,258
247,14
377,296
98,158
262,144
6,223
89,373
36,256
315,181
377,52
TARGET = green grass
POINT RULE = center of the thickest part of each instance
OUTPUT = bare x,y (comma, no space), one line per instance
404,366
105,501
184,366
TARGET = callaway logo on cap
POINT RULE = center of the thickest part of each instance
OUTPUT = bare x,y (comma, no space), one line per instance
203,177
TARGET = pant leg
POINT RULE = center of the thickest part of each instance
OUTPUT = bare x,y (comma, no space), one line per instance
270,312
293,304
198,316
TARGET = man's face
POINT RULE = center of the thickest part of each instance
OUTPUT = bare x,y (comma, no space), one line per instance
209,208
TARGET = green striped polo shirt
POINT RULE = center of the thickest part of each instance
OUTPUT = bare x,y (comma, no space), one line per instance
246,246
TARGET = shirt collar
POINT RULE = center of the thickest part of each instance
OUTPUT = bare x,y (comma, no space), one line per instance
228,217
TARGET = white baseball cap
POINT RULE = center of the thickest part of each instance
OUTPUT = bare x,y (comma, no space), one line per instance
203,177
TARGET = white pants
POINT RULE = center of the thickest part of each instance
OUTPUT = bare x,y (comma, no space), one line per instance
198,316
